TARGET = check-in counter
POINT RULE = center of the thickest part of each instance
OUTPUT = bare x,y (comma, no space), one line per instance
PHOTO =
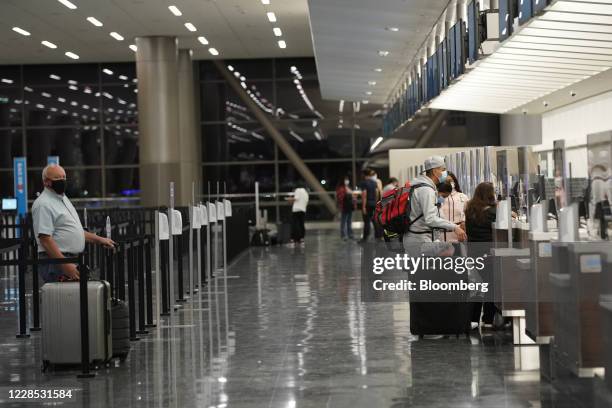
577,316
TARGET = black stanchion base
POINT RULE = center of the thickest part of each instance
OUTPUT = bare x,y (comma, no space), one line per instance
150,325
134,338
35,329
86,375
142,331
22,336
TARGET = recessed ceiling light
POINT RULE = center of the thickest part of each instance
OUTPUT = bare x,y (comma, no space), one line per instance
174,10
265,2
116,36
213,51
372,83
62,100
383,53
282,44
190,27
277,31
123,77
271,16
48,44
21,31
72,82
203,40
392,29
73,88
368,93
68,4
72,55
133,47
377,69
95,21
107,71
365,102
231,68
7,81
46,94
56,77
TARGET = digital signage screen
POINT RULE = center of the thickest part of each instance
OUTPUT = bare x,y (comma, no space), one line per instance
473,34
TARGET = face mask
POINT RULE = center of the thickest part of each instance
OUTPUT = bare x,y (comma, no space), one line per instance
347,182
374,178
443,176
440,200
59,186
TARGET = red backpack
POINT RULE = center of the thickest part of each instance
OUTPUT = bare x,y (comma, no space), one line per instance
393,210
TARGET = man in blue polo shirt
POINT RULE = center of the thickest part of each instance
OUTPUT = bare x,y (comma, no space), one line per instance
58,229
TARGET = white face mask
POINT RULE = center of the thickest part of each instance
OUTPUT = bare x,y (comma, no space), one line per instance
347,182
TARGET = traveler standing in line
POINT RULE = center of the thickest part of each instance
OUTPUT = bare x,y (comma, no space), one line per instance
58,229
298,213
346,204
369,196
480,213
378,230
424,218
393,183
452,204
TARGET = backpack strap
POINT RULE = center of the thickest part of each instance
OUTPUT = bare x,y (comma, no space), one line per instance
409,208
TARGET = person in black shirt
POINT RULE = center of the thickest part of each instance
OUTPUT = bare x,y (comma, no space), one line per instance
346,204
480,213
369,196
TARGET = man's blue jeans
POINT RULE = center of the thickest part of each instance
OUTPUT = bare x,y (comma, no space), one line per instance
346,227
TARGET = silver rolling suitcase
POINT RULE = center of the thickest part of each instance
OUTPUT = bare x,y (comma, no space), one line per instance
61,322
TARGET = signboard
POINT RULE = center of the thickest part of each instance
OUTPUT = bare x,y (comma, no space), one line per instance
20,171
53,160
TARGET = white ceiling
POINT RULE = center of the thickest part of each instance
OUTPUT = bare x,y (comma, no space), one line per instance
237,28
347,35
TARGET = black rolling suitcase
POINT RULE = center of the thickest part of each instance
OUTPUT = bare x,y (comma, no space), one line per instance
120,328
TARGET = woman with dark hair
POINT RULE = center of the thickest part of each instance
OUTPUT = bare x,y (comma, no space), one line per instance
452,206
480,213
346,204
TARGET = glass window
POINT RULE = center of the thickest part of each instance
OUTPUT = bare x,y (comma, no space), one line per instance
60,74
219,101
10,146
118,73
6,183
123,182
119,103
305,66
327,142
327,173
253,68
61,105
241,178
236,142
10,97
121,144
81,183
74,146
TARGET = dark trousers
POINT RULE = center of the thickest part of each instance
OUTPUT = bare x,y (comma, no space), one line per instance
298,231
367,220
488,312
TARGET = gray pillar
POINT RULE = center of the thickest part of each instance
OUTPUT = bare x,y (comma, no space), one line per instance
156,66
189,129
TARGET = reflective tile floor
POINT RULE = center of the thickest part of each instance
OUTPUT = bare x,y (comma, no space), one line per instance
294,334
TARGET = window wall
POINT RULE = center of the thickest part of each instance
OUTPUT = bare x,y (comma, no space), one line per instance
84,113
332,141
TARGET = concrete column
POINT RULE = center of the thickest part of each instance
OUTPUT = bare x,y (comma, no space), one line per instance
189,129
158,119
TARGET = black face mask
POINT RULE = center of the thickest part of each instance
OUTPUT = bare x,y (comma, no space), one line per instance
59,186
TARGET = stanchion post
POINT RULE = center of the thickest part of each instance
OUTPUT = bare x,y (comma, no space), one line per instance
23,266
84,306
131,292
141,286
35,292
149,283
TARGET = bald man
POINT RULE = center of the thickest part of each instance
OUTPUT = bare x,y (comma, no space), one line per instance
58,229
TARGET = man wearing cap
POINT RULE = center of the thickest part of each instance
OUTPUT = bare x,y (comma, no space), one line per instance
424,217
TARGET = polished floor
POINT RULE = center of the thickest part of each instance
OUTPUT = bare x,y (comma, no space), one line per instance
294,334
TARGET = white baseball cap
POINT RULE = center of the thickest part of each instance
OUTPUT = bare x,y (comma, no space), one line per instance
434,162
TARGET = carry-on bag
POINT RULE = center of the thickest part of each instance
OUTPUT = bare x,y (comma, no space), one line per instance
120,328
61,322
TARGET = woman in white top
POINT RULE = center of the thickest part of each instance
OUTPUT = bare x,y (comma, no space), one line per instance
298,213
452,206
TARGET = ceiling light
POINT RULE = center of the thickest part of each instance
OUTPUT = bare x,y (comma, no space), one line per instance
365,102
376,143
71,54
21,31
203,40
372,83
68,4
62,100
213,51
383,53
133,47
392,29
116,36
368,93
341,106
230,68
46,94
271,16
377,69
7,81
123,77
277,31
318,135
48,44
95,21
72,82
107,71
296,136
174,10
56,77
265,2
73,87
282,44
190,27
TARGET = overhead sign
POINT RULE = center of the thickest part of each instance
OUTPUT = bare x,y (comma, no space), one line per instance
20,171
